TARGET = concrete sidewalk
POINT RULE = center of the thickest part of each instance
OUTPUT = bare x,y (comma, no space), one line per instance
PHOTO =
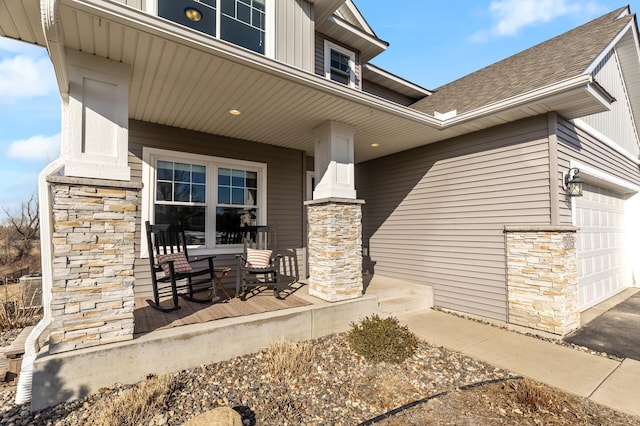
608,382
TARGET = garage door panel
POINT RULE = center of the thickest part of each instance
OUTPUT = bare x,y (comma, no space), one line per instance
600,248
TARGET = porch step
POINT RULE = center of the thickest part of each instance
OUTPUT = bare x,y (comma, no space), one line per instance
397,296
391,306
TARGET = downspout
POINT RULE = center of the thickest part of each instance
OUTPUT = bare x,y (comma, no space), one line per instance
50,25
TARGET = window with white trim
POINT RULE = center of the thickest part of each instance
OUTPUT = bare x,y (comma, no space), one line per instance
242,22
212,197
339,64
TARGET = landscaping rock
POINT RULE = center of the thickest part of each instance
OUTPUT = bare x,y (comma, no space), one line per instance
221,416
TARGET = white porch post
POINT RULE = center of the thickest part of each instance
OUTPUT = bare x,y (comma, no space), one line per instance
94,210
95,119
335,217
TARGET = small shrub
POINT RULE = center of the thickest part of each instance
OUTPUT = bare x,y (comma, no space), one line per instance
379,340
134,406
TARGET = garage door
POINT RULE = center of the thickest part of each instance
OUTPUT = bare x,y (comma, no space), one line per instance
601,269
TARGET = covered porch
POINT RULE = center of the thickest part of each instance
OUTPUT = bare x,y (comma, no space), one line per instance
74,374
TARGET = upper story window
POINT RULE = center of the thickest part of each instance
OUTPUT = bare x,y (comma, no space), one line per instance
339,64
242,22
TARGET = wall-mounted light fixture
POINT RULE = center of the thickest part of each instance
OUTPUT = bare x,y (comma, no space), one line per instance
572,182
193,14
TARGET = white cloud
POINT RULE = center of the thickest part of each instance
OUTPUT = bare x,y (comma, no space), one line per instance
15,46
24,77
35,148
510,16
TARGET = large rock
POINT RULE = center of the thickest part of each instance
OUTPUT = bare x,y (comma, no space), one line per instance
221,416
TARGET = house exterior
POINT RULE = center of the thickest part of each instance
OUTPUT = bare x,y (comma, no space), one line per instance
222,113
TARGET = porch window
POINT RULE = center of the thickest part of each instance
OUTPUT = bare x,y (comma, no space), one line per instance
339,64
242,22
212,197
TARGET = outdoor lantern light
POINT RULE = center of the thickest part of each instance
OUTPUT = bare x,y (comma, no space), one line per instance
193,14
573,183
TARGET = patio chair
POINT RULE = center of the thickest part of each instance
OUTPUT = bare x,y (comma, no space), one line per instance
259,264
172,271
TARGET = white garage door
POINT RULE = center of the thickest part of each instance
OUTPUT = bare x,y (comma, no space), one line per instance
601,269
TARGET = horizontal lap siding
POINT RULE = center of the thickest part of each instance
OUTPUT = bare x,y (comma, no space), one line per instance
436,214
285,178
574,143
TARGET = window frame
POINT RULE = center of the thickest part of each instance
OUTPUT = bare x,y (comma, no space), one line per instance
151,6
150,157
328,47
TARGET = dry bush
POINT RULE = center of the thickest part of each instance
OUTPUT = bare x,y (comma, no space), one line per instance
287,361
17,308
386,387
532,395
133,406
290,359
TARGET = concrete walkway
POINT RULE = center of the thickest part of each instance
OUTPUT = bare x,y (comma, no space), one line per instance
608,382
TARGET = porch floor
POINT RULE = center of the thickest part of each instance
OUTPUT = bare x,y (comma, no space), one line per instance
148,319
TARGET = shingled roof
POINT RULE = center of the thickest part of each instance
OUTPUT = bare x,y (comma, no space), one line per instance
561,58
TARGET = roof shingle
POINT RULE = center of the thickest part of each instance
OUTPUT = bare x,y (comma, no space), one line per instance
560,58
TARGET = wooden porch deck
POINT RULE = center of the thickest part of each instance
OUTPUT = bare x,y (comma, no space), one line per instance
148,319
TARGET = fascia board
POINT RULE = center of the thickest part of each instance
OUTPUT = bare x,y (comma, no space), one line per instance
395,78
361,20
358,32
592,66
51,27
580,82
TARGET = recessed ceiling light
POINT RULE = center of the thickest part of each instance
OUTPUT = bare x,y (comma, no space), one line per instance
193,14
375,145
235,112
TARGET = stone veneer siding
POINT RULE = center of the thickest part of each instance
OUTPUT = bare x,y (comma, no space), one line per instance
92,295
335,248
542,278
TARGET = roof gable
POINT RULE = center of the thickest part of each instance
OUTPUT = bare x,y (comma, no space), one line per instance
561,58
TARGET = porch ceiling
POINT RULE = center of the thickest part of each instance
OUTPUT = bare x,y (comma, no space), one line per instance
189,80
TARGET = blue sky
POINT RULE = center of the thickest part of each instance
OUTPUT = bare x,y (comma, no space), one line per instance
431,43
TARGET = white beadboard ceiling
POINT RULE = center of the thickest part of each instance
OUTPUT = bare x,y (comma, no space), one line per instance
189,80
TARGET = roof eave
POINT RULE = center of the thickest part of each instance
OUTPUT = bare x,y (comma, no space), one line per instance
572,98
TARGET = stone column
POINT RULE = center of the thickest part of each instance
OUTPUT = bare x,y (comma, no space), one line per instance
92,298
542,278
335,248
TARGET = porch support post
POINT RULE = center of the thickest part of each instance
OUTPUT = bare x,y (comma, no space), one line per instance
542,278
95,118
334,161
92,294
335,248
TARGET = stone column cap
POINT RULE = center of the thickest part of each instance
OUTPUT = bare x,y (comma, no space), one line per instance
540,228
71,180
334,200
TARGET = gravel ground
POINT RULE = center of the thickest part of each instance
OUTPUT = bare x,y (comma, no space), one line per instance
340,389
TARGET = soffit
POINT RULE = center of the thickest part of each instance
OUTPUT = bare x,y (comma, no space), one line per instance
185,79
342,31
20,20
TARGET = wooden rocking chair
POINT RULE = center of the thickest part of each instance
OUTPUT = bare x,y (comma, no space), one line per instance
259,265
172,272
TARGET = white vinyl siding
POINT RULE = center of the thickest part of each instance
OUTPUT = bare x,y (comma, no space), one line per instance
618,124
295,34
574,143
435,215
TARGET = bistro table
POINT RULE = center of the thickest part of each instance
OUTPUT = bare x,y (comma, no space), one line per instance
220,273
